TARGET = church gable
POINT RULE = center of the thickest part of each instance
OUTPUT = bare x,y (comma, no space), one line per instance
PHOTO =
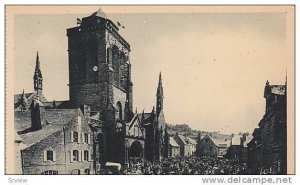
134,128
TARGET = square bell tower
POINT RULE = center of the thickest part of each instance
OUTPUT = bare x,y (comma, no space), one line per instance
99,67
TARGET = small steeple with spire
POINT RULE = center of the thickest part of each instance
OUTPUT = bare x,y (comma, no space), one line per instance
37,77
159,95
23,101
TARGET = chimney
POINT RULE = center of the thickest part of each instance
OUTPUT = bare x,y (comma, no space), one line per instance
37,115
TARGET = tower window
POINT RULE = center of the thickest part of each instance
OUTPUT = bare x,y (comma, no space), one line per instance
119,108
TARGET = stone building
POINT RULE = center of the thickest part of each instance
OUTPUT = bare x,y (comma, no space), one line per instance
207,147
238,149
192,144
181,141
254,153
56,141
157,136
174,149
269,143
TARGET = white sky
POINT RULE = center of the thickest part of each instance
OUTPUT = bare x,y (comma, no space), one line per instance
214,66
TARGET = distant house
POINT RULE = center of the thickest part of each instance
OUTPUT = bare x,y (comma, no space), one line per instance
238,147
223,145
207,147
234,148
191,145
174,149
184,146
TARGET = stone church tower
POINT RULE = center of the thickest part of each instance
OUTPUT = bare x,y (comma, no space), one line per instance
100,76
99,65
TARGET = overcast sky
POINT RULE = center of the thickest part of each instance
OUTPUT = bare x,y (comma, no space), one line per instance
214,66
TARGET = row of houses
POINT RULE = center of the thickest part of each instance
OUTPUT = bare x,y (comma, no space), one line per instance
233,147
181,146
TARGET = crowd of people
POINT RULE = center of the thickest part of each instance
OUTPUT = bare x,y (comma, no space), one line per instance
188,165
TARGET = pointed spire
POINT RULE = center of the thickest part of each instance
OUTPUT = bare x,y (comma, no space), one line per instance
37,77
37,62
23,101
23,97
160,88
159,95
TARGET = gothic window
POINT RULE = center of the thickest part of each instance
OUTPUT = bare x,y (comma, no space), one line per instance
108,54
123,70
116,65
91,50
119,109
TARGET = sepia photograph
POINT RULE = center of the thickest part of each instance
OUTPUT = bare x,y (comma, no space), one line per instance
149,90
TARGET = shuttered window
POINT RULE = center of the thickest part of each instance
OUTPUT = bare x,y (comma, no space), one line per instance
75,155
86,155
75,137
49,155
86,138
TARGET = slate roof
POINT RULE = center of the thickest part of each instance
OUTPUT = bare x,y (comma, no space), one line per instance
278,89
192,141
173,142
58,104
219,141
29,97
55,120
182,138
33,137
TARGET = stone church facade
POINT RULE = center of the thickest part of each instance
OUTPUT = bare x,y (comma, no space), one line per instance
267,151
100,87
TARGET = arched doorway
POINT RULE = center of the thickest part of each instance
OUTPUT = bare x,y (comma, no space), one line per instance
136,149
